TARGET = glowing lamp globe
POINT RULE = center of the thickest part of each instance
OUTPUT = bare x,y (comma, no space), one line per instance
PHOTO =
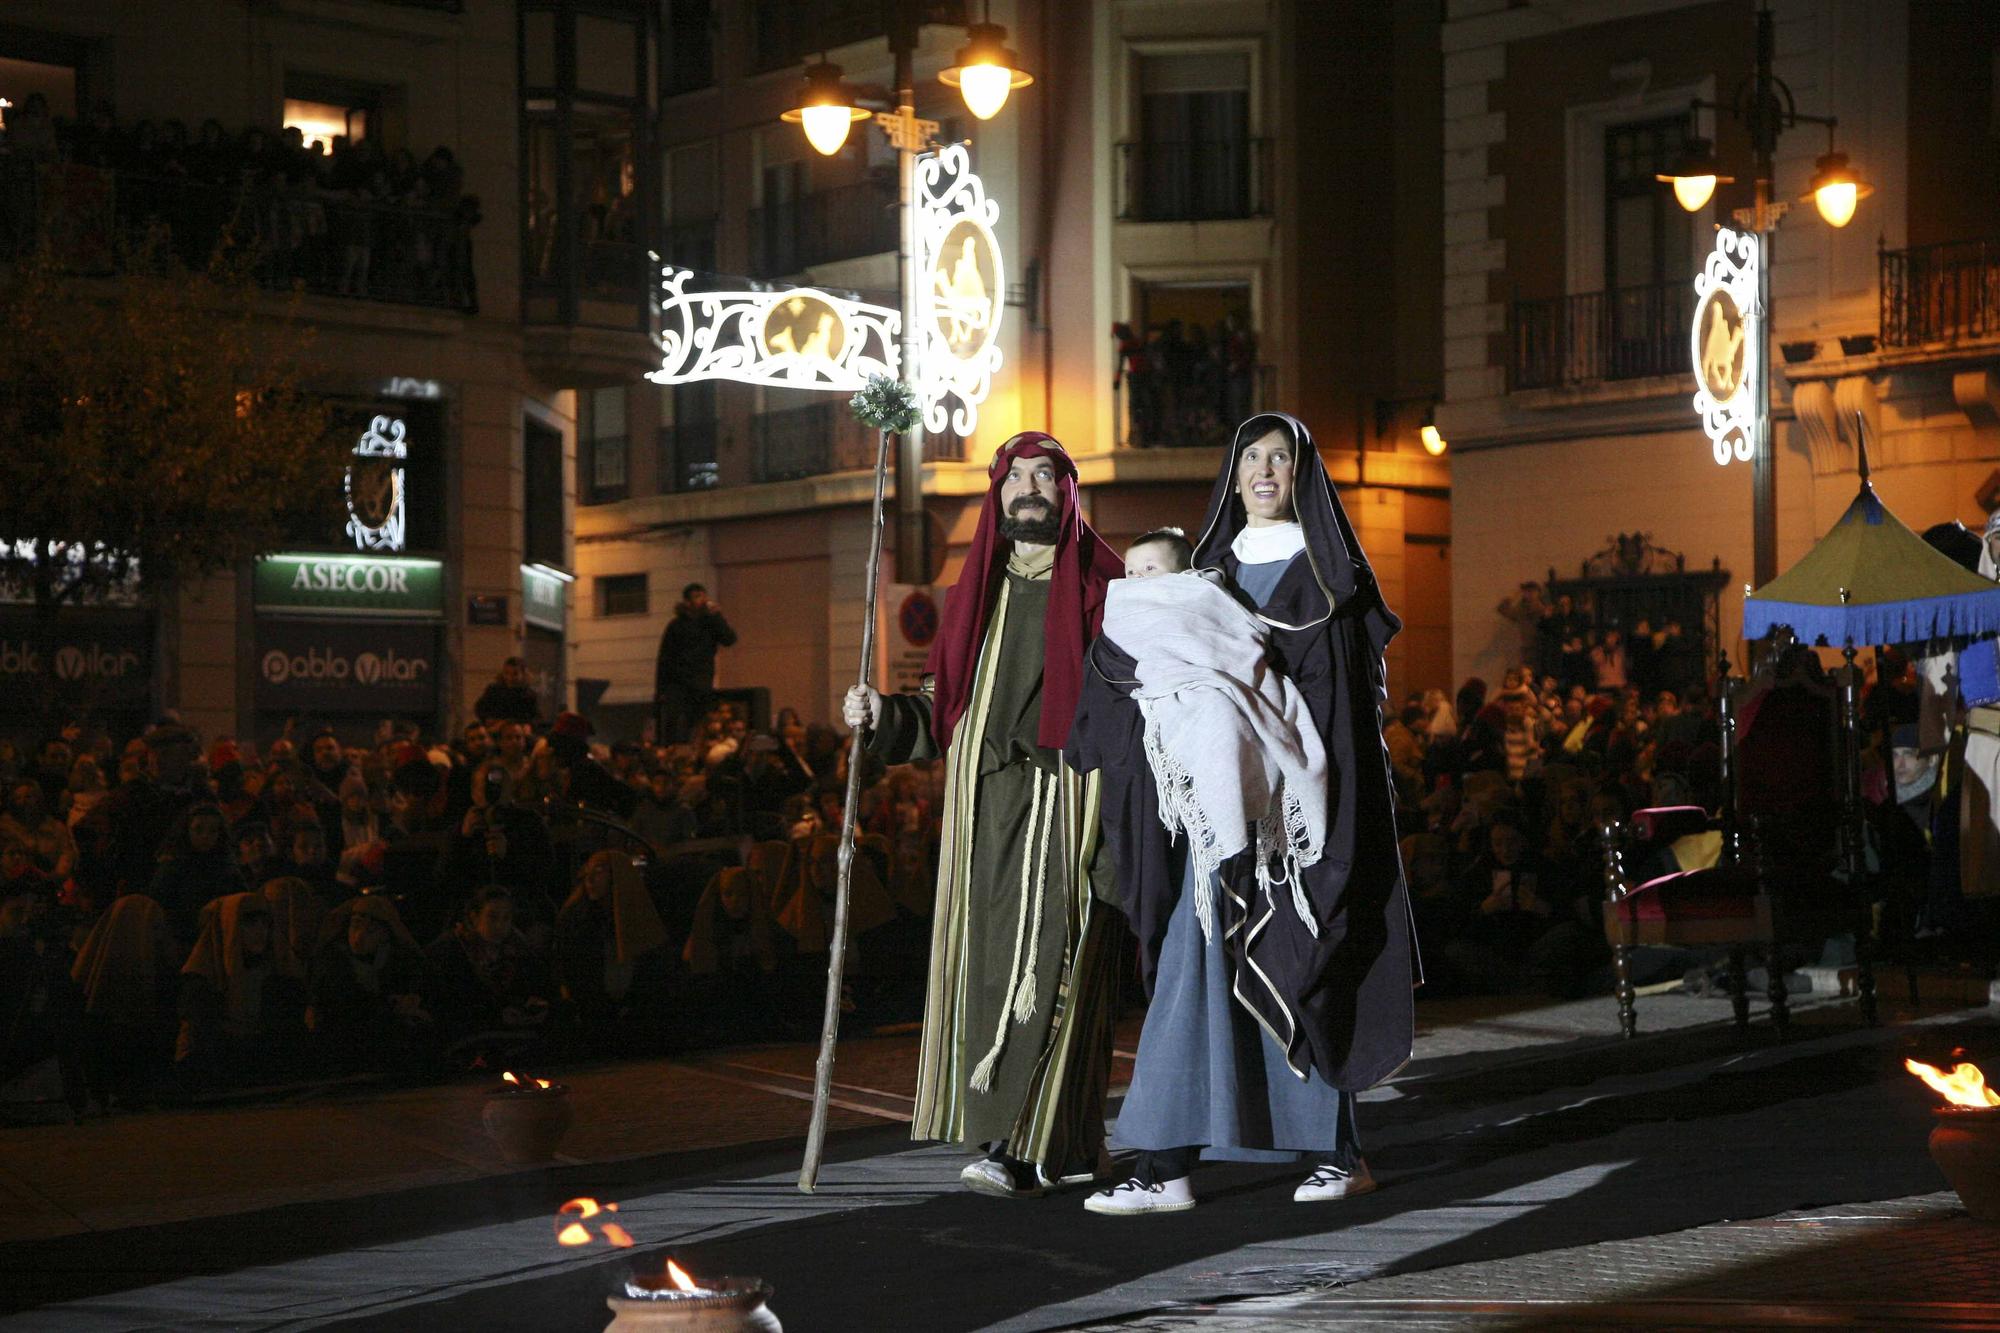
1694,175
1836,189
1434,443
984,71
827,110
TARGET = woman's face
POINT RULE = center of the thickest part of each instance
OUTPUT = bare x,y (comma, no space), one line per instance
494,921
364,935
1264,479
597,881
205,832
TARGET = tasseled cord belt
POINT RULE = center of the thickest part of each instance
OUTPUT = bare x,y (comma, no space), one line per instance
1020,998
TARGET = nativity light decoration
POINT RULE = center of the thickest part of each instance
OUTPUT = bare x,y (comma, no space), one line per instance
1728,338
375,488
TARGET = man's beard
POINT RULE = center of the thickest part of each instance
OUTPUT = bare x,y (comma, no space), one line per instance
1034,531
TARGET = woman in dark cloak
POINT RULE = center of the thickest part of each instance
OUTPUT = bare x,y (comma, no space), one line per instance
1256,1041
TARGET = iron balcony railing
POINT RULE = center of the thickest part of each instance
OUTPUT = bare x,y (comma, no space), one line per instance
823,227
295,236
1629,333
820,438
1193,407
687,453
1196,181
1940,293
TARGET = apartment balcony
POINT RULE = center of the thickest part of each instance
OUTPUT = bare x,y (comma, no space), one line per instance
822,228
1942,293
296,236
1599,337
1200,181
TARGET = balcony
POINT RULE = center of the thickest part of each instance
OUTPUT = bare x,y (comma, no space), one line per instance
822,438
1595,337
296,236
1940,293
1201,181
822,228
687,453
1191,406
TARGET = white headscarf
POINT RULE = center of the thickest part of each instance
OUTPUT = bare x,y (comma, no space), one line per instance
1988,568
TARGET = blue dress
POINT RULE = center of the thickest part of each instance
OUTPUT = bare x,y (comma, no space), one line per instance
1207,1073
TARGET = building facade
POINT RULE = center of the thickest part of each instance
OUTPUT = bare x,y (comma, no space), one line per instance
462,299
1568,291
1185,244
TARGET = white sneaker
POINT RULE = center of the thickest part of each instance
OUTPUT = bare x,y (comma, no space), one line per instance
1133,1198
992,1178
1328,1182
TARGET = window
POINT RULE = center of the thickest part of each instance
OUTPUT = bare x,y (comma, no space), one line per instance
1646,234
621,595
1193,158
687,437
688,51
603,461
324,108
542,494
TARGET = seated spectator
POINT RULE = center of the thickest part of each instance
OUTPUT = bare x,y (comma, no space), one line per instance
21,873
29,823
86,788
297,915
365,1002
242,1001
498,842
127,972
660,817
197,865
483,981
357,825
609,957
307,860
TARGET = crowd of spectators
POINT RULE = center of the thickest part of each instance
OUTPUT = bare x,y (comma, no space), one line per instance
1185,383
348,218
178,918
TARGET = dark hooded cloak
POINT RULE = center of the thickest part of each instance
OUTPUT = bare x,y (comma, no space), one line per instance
1339,1002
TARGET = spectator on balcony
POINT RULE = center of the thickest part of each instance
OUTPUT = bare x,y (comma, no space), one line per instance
1607,663
31,132
95,141
684,673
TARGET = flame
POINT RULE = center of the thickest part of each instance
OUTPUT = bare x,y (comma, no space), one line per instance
541,1083
576,1233
679,1277
1963,1086
508,1077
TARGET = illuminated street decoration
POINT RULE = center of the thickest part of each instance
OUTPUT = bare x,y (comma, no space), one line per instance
375,509
1728,339
797,338
961,290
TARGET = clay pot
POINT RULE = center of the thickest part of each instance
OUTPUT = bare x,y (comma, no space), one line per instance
737,1307
1966,1147
528,1127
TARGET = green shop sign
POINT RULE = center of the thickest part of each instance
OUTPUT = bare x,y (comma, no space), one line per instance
544,597
351,585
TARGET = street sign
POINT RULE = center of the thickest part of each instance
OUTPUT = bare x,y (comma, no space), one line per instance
1728,340
350,585
544,599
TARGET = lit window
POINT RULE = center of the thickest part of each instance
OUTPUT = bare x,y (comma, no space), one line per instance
323,122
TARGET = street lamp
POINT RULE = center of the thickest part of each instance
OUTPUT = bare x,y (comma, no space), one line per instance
984,71
1764,106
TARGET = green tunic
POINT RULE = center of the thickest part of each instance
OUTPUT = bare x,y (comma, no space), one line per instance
1019,1007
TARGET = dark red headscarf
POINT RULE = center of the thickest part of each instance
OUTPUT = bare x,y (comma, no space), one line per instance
1084,566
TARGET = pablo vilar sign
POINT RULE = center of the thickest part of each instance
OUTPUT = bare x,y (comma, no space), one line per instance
330,666
98,659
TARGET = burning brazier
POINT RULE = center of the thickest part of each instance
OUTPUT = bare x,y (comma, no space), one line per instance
1965,1143
672,1300
527,1118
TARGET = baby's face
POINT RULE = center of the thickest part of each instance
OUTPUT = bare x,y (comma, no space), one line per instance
1150,558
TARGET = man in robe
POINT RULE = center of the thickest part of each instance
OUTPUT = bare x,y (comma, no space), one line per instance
1025,939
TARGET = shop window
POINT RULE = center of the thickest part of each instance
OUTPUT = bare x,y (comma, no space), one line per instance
621,595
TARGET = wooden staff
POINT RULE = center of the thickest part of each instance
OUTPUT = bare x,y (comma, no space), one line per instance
888,406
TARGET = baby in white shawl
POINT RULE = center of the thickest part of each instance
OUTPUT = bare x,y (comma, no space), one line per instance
1230,741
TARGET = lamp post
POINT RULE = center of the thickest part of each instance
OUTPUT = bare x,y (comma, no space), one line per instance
984,71
1764,106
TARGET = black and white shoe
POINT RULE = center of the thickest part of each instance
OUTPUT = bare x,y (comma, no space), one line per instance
1135,1197
1001,1178
1329,1182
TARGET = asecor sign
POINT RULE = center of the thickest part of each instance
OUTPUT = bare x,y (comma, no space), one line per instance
327,666
351,585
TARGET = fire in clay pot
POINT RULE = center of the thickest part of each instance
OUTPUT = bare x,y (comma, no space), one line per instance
527,1118
673,1302
1965,1143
